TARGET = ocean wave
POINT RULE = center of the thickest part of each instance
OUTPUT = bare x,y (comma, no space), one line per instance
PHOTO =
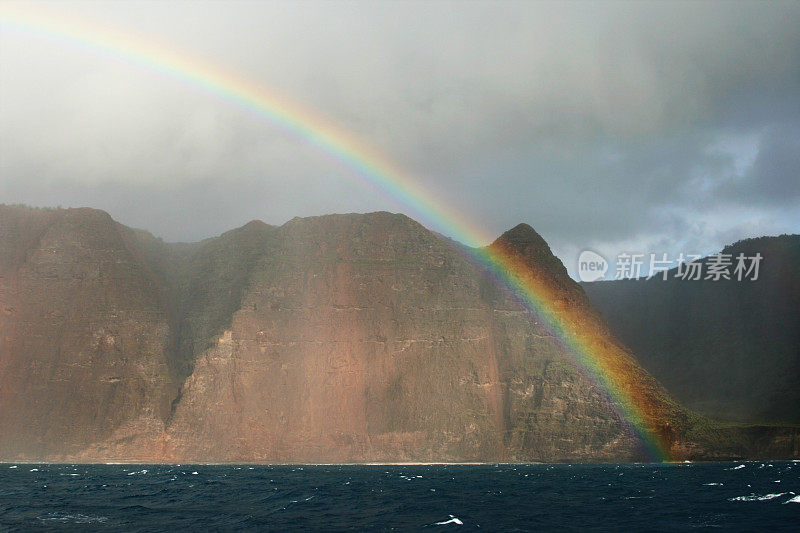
757,497
452,520
77,518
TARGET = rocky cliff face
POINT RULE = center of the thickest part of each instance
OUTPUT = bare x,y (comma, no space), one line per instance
336,338
367,338
84,337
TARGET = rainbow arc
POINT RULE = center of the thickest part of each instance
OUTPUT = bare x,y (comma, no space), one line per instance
609,366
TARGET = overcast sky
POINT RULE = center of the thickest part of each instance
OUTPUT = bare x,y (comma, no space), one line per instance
635,127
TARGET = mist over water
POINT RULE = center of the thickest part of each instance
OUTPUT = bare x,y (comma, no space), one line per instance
652,497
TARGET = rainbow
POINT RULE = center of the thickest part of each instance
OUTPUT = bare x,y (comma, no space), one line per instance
630,391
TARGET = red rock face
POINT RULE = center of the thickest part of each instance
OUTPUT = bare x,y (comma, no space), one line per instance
367,338
83,339
328,339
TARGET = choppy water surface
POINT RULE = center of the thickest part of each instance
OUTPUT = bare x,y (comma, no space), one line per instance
645,497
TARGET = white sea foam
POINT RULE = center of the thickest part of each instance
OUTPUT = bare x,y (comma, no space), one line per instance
77,518
453,520
12,467
796,499
712,484
34,470
737,467
757,497
194,473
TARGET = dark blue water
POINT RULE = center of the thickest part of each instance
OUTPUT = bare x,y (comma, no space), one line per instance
643,497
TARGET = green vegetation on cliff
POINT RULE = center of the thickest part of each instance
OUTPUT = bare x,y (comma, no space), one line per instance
728,349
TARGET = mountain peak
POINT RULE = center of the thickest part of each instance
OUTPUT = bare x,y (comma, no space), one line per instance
256,224
524,240
523,235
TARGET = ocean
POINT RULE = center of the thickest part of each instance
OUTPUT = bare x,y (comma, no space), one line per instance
743,496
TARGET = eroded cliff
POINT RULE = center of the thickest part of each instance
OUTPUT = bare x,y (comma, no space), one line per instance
335,338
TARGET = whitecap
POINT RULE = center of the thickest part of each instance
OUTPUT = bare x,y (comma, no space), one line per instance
34,470
12,467
77,518
453,520
194,473
737,467
712,484
796,499
757,497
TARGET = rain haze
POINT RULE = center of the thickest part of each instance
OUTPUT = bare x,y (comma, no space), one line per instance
630,127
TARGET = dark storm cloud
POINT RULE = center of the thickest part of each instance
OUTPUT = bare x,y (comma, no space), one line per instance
614,126
774,177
